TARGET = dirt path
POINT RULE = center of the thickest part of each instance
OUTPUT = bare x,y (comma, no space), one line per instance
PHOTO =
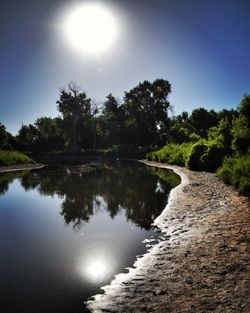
201,264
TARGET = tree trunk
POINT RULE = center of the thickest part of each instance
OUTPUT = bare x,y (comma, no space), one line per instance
75,143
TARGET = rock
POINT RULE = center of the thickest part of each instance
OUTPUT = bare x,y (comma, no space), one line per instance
159,292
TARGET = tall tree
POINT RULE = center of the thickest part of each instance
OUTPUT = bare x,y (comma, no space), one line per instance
75,106
3,136
27,138
110,123
146,108
50,133
201,120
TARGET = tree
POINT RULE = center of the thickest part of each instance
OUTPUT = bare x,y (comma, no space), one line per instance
111,122
201,120
221,134
146,108
241,127
75,106
3,136
27,138
50,133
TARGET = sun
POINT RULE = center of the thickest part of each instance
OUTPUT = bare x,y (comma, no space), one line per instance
91,28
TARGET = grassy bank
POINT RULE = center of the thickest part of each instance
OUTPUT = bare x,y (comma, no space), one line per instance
8,158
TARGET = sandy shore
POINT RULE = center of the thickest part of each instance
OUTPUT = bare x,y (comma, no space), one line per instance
201,263
20,167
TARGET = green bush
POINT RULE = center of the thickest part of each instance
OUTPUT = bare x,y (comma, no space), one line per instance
194,161
171,154
213,157
236,171
13,157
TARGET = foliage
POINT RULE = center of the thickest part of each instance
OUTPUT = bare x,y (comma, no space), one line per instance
145,110
13,157
241,127
3,136
222,133
75,107
213,157
201,120
171,153
203,155
194,160
236,171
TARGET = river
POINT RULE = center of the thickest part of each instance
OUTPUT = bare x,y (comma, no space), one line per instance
65,231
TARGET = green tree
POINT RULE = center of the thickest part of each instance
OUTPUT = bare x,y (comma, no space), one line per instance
201,120
241,127
222,133
27,138
146,109
3,136
111,122
50,133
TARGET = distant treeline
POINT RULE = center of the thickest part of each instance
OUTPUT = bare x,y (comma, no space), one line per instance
140,119
202,140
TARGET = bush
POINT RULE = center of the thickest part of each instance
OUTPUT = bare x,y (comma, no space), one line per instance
194,161
13,157
236,171
213,157
171,154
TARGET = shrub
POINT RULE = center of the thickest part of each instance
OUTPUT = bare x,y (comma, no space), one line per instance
171,154
213,157
194,161
236,171
13,157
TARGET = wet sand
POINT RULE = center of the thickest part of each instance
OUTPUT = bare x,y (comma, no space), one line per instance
201,263
20,167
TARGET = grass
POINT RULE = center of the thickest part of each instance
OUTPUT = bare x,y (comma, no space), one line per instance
8,158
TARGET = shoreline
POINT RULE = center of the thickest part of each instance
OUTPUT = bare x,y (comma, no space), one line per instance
20,167
202,262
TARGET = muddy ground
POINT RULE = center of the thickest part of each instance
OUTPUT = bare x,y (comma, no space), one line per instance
201,263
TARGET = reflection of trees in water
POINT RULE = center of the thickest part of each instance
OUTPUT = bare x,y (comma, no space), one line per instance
140,192
7,178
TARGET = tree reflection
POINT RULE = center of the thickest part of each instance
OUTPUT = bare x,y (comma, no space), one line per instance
7,178
141,192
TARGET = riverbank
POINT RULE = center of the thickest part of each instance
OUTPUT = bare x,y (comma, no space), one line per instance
201,263
20,167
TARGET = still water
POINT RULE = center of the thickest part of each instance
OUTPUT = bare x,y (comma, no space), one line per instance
66,231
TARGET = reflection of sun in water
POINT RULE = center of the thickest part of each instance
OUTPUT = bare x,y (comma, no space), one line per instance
96,269
90,28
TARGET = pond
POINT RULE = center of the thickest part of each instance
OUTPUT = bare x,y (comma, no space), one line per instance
66,231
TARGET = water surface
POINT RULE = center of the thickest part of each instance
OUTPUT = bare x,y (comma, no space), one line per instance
65,232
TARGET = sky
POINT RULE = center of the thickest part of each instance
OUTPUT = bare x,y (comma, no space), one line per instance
201,47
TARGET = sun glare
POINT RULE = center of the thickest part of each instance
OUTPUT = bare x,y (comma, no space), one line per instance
96,269
91,28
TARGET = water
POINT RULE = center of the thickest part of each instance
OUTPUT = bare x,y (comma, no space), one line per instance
65,232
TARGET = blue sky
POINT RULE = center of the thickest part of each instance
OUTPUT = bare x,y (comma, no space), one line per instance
201,47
